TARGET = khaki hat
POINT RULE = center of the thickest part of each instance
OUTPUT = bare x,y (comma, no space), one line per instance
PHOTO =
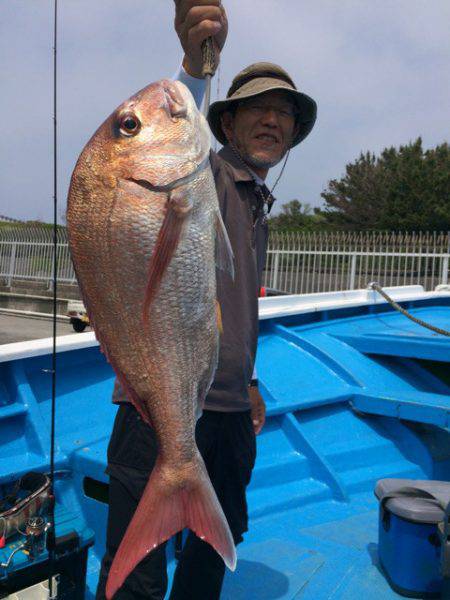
257,79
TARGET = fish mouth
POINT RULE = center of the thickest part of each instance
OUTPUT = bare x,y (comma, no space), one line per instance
141,183
168,187
175,105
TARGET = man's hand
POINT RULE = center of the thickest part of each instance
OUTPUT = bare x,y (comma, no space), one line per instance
258,409
196,20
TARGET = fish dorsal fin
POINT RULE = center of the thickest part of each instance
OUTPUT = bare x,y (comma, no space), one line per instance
178,207
224,251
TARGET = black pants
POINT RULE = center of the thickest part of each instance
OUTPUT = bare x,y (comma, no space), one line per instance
227,443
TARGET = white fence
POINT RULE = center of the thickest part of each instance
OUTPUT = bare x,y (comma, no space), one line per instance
26,253
298,262
306,262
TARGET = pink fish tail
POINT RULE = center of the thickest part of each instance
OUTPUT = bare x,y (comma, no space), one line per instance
166,508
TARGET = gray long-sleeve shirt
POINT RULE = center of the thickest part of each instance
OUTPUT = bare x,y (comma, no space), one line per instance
241,209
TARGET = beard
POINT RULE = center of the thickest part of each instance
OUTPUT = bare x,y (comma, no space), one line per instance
253,160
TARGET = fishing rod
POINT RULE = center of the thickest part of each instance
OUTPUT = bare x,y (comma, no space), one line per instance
208,70
51,526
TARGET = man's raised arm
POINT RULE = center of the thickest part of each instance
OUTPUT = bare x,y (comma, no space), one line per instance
196,20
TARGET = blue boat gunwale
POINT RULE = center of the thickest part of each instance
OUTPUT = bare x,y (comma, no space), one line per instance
269,308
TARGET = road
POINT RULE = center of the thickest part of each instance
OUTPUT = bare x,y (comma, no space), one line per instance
18,329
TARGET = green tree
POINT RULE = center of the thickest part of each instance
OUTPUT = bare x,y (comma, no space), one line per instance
295,215
403,189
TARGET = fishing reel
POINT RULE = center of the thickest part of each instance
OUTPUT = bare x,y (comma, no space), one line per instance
34,544
22,513
36,534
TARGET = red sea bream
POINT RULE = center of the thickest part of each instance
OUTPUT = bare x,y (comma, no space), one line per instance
145,234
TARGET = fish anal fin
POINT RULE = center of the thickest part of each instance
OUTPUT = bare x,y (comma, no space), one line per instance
224,251
123,391
167,506
179,204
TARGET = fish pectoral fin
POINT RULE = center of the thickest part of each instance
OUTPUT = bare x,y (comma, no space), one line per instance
169,504
179,205
224,251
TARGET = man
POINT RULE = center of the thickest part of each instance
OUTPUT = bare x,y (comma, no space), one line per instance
261,119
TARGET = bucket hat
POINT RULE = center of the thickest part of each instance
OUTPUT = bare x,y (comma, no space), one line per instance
257,79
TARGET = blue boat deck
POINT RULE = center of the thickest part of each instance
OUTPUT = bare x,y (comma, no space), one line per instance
353,395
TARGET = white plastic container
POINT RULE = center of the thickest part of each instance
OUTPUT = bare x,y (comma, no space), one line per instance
39,591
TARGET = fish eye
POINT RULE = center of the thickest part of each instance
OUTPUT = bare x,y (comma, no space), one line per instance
130,125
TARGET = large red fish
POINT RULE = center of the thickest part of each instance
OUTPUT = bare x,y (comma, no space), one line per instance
145,234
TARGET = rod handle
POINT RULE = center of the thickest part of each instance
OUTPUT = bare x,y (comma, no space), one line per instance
209,57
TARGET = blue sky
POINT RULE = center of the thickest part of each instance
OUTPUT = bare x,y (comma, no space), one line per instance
379,71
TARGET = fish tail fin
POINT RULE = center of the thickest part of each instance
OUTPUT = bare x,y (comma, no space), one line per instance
172,501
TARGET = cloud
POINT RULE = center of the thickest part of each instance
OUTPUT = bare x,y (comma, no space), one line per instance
379,72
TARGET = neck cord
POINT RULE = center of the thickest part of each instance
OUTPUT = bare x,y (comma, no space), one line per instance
267,199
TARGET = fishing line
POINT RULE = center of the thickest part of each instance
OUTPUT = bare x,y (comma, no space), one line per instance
51,529
217,98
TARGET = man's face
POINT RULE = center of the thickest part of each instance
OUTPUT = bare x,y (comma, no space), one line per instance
262,128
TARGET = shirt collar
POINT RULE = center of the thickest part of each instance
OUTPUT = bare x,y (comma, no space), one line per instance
239,173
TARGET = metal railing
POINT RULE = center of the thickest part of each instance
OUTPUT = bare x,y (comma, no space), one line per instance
307,262
298,262
26,253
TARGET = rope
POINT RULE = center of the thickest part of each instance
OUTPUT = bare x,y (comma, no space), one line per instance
375,286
